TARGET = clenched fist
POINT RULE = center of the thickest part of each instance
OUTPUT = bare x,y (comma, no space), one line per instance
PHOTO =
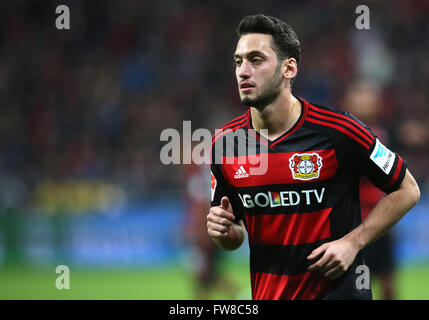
221,227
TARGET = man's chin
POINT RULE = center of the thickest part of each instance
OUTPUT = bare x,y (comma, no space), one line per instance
260,102
248,102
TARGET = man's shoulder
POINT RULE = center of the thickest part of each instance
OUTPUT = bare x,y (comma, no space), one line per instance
232,126
340,123
241,119
328,110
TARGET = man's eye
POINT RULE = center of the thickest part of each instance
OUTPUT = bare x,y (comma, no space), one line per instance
256,61
237,62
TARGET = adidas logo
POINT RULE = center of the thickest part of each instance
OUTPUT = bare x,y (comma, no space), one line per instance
241,173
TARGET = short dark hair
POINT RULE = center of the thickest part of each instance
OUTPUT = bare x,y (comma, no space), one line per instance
285,39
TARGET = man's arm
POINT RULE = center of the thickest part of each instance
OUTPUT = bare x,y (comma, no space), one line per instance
387,213
221,227
339,255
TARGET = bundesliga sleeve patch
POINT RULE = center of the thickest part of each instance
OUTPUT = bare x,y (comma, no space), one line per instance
382,157
213,185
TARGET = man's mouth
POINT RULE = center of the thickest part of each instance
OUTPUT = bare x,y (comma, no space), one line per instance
246,86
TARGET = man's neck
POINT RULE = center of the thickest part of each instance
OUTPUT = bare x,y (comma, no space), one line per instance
278,117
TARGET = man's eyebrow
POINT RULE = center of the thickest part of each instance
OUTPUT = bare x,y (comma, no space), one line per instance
250,54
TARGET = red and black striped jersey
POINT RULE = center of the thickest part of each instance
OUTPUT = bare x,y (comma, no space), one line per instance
307,195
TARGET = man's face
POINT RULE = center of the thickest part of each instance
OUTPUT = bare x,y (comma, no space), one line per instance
257,70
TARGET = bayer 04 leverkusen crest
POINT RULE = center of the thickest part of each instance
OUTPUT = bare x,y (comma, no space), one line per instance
305,166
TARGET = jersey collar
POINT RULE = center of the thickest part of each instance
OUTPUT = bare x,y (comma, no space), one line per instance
295,127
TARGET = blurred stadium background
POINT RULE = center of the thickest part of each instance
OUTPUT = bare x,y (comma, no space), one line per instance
81,182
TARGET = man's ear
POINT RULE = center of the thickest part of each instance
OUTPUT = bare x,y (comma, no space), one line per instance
289,68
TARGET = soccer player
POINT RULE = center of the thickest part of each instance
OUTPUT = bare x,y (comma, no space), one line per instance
302,215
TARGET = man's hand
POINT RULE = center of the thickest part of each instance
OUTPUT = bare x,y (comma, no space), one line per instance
221,227
219,219
337,256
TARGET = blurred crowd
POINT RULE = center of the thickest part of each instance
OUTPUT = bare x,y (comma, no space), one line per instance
86,106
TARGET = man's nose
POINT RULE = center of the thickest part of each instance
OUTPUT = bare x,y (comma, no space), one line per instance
244,70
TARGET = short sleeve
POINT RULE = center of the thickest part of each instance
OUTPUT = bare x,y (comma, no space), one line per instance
220,187
369,157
